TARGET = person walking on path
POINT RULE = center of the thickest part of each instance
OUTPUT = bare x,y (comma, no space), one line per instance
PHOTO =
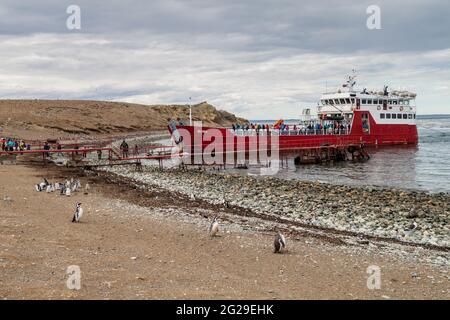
59,147
47,147
124,147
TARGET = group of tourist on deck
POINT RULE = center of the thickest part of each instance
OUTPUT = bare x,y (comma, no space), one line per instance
307,128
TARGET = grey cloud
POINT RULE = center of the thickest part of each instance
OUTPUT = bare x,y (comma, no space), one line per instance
252,57
332,26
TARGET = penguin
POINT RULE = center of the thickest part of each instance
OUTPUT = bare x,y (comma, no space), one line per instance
49,188
57,185
408,232
37,187
279,243
213,227
192,197
62,190
43,185
78,213
78,184
87,188
68,192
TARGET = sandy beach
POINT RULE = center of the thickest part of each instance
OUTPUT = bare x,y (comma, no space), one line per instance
151,243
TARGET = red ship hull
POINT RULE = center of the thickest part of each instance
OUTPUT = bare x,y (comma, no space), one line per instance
197,139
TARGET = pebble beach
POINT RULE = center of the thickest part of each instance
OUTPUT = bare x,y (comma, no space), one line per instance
370,211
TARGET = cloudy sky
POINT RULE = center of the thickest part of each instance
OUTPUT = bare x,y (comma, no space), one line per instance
259,59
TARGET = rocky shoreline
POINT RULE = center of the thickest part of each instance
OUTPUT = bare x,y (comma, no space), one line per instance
370,211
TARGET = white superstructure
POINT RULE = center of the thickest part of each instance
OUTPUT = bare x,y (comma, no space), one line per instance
396,107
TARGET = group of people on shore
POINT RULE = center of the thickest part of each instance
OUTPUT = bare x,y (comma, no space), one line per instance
9,144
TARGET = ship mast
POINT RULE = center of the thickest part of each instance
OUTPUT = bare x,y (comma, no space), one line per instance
350,82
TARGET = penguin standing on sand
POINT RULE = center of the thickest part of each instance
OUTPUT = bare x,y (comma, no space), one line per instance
41,186
279,243
214,227
87,188
68,191
78,213
49,188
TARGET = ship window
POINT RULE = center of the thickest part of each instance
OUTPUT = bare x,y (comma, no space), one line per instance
407,102
399,116
394,116
388,115
414,115
342,101
336,101
326,101
405,116
353,100
369,101
382,115
364,101
394,101
410,116
347,100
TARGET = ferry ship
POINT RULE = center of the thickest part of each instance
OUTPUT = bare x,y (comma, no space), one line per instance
345,116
